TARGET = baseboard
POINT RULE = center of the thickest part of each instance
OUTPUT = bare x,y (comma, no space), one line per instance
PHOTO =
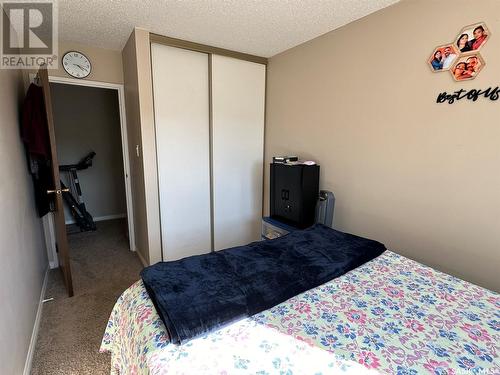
100,218
143,261
110,217
36,327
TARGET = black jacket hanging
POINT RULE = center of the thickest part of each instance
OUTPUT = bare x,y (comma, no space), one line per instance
35,136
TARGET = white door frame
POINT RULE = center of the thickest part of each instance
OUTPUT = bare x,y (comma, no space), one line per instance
124,138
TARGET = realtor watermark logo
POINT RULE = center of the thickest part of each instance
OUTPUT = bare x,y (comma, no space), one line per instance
29,34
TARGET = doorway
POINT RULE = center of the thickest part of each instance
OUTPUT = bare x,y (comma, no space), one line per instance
85,116
89,117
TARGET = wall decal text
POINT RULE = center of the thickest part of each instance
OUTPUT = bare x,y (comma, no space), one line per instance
474,94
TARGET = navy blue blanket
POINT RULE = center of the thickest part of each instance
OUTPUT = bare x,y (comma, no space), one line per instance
203,293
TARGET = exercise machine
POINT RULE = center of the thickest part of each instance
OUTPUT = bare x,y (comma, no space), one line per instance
73,195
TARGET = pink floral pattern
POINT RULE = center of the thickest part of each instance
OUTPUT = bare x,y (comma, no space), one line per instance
391,315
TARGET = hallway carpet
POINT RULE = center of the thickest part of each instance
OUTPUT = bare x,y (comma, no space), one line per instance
71,329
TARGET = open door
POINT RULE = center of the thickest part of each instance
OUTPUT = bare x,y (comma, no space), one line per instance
60,226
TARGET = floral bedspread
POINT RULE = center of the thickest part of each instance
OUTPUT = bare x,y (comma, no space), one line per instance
391,315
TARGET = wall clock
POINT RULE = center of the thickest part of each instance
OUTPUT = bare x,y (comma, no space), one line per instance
76,64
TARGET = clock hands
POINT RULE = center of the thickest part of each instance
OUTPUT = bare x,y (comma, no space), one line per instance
80,67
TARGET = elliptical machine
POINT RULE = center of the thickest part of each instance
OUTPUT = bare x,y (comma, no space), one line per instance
73,197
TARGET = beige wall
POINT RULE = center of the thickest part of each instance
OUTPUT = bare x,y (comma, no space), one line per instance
106,64
140,123
22,247
88,119
420,177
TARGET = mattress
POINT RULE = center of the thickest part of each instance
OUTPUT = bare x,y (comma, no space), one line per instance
391,315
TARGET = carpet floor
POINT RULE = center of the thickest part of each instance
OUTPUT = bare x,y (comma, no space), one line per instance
71,329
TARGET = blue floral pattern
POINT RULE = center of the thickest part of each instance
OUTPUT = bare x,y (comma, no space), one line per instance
392,315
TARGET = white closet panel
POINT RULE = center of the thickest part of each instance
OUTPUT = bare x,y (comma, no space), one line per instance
238,98
181,101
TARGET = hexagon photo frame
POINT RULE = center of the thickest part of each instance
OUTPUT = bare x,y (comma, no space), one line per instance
472,38
443,58
462,57
467,67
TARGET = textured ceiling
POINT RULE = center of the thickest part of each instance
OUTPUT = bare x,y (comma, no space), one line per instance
260,27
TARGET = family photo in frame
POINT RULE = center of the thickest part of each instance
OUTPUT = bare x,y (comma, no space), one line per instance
443,57
467,67
462,57
472,38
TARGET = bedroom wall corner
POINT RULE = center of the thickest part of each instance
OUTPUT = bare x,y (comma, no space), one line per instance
22,245
148,140
419,176
142,148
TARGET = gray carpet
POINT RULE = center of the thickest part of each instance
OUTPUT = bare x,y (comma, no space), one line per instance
71,329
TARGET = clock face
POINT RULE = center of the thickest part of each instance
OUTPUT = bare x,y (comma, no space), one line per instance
76,64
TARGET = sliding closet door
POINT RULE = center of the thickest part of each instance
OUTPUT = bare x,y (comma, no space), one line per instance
238,97
181,101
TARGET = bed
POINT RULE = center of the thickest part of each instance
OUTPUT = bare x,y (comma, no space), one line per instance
390,315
